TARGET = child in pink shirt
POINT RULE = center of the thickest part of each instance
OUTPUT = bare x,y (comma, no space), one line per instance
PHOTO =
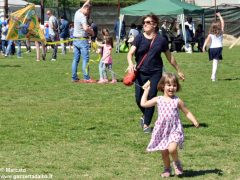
106,61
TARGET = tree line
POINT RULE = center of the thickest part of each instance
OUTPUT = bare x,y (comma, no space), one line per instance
76,3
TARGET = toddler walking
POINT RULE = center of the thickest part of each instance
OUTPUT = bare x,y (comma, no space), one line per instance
168,132
106,60
215,50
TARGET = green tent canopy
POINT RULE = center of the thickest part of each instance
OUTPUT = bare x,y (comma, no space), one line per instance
161,7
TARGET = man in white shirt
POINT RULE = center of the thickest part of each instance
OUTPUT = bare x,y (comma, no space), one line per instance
81,46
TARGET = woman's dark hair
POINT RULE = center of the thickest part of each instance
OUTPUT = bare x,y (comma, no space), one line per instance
155,20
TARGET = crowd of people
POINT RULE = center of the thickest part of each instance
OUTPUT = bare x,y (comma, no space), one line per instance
173,32
53,30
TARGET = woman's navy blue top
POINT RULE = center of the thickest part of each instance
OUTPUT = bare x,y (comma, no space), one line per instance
153,62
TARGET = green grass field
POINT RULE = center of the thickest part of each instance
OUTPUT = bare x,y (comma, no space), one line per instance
49,125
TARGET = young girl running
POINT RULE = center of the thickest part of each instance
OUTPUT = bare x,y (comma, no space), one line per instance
106,61
168,131
215,49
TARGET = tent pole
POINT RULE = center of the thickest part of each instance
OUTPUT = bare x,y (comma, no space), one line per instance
5,8
42,12
203,23
121,17
215,4
118,8
183,28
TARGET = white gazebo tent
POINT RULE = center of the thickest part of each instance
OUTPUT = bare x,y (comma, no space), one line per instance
13,5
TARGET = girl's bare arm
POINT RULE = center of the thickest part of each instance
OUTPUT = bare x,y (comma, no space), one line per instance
144,102
221,20
187,113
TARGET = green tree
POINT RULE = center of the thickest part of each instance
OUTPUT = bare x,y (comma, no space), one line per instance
75,3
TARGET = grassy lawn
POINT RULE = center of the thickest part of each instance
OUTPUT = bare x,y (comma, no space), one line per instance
49,125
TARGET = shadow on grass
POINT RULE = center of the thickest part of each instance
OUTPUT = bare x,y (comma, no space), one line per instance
230,79
191,173
120,80
201,125
91,128
11,66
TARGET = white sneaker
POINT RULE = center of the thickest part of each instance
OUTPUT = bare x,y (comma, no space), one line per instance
53,60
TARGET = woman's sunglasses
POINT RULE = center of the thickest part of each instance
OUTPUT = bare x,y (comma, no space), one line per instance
148,22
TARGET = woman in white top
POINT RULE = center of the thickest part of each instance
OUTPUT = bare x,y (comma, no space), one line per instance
215,37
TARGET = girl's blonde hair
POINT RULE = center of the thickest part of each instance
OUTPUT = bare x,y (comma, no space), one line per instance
215,28
168,78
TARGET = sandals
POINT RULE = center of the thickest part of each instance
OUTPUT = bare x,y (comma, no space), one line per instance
166,173
178,168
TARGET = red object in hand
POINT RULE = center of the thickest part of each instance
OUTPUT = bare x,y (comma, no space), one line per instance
129,78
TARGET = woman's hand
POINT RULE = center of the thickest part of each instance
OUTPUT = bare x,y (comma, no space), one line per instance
131,68
181,75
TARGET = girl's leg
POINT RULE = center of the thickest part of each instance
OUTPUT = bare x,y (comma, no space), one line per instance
214,69
104,72
166,159
172,148
100,68
112,73
166,162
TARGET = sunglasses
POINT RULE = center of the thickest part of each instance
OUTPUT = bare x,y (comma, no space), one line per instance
148,22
